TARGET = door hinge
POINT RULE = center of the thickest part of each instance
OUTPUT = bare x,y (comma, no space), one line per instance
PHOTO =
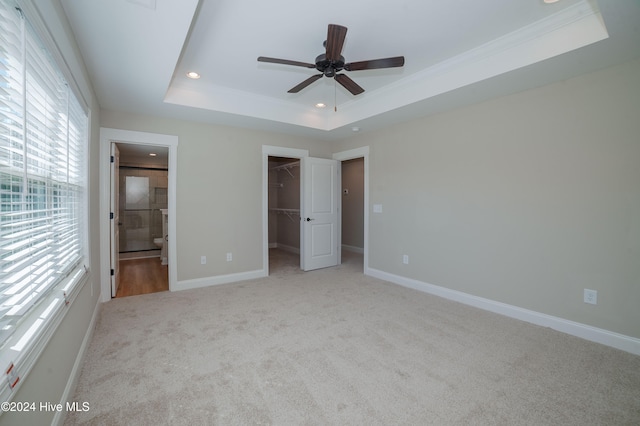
113,272
113,159
110,215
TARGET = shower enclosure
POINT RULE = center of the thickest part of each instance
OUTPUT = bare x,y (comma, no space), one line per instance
143,192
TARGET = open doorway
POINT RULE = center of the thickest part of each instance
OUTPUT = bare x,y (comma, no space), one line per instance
352,211
319,208
109,258
354,202
304,209
320,192
142,191
284,214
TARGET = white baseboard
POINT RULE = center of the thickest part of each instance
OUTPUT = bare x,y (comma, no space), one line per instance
587,332
219,279
72,382
353,249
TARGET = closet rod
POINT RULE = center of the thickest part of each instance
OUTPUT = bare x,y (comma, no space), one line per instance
286,167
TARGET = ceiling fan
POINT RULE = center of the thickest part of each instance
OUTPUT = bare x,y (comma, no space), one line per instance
332,62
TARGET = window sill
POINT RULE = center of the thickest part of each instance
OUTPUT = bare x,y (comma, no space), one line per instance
32,336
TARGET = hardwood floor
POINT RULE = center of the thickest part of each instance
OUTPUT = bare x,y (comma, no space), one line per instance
142,276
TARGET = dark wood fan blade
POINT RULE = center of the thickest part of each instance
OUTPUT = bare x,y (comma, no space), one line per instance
349,84
305,83
285,62
335,40
396,61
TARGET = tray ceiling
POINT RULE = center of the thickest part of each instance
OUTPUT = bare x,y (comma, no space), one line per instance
138,52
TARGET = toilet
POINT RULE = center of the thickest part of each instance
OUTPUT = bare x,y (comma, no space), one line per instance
163,250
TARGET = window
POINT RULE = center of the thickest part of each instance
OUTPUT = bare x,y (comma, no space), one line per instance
43,141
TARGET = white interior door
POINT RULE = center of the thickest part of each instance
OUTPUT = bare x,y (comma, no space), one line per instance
115,219
319,213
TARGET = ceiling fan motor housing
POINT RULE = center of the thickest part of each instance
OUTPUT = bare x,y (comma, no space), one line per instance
327,67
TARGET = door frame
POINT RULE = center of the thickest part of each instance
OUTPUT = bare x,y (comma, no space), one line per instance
107,136
362,152
114,224
278,151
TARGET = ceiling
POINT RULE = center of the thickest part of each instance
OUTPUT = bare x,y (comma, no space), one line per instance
457,52
139,155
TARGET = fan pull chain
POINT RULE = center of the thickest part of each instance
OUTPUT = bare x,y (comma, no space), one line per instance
335,96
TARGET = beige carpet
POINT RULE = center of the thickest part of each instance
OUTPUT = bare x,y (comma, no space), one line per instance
334,347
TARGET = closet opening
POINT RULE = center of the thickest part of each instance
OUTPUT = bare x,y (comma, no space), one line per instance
352,210
302,210
284,214
354,207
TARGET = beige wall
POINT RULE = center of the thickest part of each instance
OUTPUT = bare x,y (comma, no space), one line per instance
526,199
219,190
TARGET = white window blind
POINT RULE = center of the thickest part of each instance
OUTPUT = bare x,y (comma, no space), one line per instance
43,138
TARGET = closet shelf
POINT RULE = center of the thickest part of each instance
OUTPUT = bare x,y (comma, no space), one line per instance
289,212
287,167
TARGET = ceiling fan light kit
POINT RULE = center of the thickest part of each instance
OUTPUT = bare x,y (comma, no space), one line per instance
331,63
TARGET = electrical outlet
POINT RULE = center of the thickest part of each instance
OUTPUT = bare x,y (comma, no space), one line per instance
203,260
405,259
229,257
590,296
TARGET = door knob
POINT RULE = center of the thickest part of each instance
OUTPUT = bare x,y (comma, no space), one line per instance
309,219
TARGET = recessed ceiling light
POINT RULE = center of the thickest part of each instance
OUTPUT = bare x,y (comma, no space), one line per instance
550,1
152,154
193,74
355,128
320,105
